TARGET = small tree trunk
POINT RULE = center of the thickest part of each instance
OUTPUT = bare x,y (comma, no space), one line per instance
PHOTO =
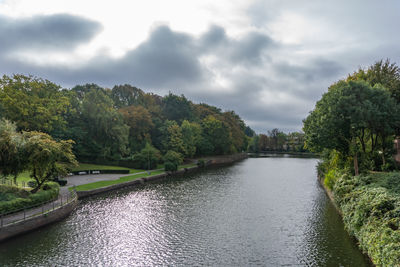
355,165
383,157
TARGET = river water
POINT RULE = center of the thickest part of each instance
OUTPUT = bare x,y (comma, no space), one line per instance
261,211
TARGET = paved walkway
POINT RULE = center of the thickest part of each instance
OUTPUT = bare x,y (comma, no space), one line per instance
64,195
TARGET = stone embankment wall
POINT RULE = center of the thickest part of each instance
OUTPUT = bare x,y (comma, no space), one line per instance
214,161
32,223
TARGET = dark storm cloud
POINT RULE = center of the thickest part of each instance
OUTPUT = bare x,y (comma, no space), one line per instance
55,32
247,49
170,60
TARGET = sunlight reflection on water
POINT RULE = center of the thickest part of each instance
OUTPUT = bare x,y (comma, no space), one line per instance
262,211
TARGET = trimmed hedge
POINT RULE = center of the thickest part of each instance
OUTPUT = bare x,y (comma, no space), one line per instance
48,192
102,171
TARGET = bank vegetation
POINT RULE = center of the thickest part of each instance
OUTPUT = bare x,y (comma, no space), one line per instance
354,126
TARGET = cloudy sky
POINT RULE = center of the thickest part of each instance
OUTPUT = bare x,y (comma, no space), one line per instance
269,60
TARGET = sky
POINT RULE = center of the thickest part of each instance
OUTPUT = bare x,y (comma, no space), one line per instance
268,60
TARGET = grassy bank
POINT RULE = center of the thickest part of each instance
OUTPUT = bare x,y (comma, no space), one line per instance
142,174
370,205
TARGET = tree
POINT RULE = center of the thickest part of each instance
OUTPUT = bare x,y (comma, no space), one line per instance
216,134
177,108
32,103
12,150
47,158
236,128
147,158
254,146
138,119
350,118
173,138
172,160
381,72
97,126
126,95
191,134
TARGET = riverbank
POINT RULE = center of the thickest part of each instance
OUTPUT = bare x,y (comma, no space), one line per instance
43,217
158,175
370,208
284,153
32,219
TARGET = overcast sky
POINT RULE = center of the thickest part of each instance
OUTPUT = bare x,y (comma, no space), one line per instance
268,60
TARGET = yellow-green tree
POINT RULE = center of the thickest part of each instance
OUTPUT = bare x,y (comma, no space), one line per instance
47,158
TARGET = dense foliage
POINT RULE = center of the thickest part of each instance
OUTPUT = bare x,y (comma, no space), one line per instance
371,212
354,126
276,140
357,121
112,125
13,198
36,152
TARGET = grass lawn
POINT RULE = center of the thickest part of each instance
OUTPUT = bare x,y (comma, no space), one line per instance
123,179
99,184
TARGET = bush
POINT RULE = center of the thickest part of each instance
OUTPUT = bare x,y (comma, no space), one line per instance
173,157
330,178
201,163
370,206
147,158
48,192
170,166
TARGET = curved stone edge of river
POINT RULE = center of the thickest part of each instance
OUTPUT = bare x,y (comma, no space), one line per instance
329,193
213,161
35,222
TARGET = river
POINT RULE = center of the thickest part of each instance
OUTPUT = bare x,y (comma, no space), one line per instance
260,211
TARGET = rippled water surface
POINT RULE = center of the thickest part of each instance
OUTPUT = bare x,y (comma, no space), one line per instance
261,211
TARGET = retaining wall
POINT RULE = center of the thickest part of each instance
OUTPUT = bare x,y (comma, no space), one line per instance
32,223
215,161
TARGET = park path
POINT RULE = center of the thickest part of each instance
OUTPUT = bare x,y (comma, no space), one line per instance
64,195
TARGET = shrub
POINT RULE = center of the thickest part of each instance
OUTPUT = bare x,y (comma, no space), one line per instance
201,163
330,178
173,157
371,212
170,166
147,158
48,192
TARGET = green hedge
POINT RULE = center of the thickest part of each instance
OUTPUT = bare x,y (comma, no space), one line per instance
371,213
24,199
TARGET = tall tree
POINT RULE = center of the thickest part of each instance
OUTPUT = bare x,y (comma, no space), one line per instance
381,72
33,103
12,150
97,126
216,133
347,116
177,108
140,125
126,95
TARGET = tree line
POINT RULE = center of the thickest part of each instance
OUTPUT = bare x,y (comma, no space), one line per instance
120,125
356,121
277,140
